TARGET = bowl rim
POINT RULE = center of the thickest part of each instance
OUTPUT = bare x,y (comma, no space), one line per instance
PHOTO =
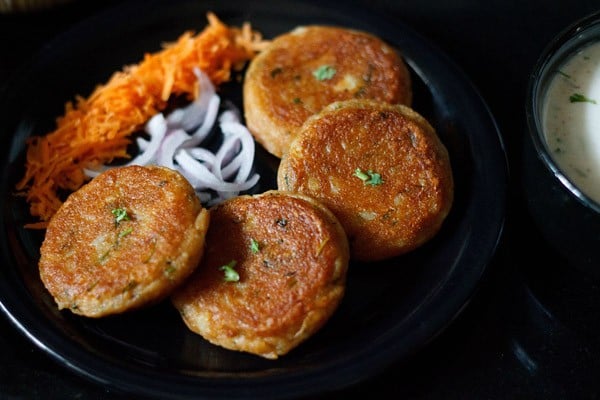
566,42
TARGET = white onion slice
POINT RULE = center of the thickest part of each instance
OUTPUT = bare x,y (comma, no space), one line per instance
206,156
193,114
204,129
156,127
176,142
247,143
202,177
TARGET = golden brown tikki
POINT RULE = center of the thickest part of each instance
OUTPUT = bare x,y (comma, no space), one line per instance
273,273
380,168
125,239
302,71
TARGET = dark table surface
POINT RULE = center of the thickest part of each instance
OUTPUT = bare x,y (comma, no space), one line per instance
531,331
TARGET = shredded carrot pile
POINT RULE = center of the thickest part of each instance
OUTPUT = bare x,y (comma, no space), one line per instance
96,130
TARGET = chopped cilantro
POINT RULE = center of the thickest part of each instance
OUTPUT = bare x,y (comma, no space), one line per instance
369,178
231,274
125,232
324,72
375,179
170,269
361,175
580,98
254,246
564,74
120,215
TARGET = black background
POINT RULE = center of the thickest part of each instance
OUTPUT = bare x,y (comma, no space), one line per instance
532,330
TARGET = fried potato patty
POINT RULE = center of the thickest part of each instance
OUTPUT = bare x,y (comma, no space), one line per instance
380,168
125,239
273,273
302,71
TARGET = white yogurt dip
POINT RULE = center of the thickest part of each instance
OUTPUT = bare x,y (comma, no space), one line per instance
571,119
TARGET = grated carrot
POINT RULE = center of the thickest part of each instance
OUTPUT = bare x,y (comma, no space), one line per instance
96,130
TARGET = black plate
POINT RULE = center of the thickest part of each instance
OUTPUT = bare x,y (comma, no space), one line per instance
391,310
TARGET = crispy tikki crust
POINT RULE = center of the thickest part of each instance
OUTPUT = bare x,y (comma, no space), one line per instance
124,240
291,256
303,71
380,168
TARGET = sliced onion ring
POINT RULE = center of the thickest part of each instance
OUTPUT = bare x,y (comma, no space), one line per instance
176,141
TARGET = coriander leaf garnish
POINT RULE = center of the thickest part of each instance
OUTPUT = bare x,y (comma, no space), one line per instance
369,178
361,175
125,232
231,274
375,179
120,215
564,74
254,246
324,72
580,98
170,269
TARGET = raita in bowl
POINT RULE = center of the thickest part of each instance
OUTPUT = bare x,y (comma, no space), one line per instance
562,173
